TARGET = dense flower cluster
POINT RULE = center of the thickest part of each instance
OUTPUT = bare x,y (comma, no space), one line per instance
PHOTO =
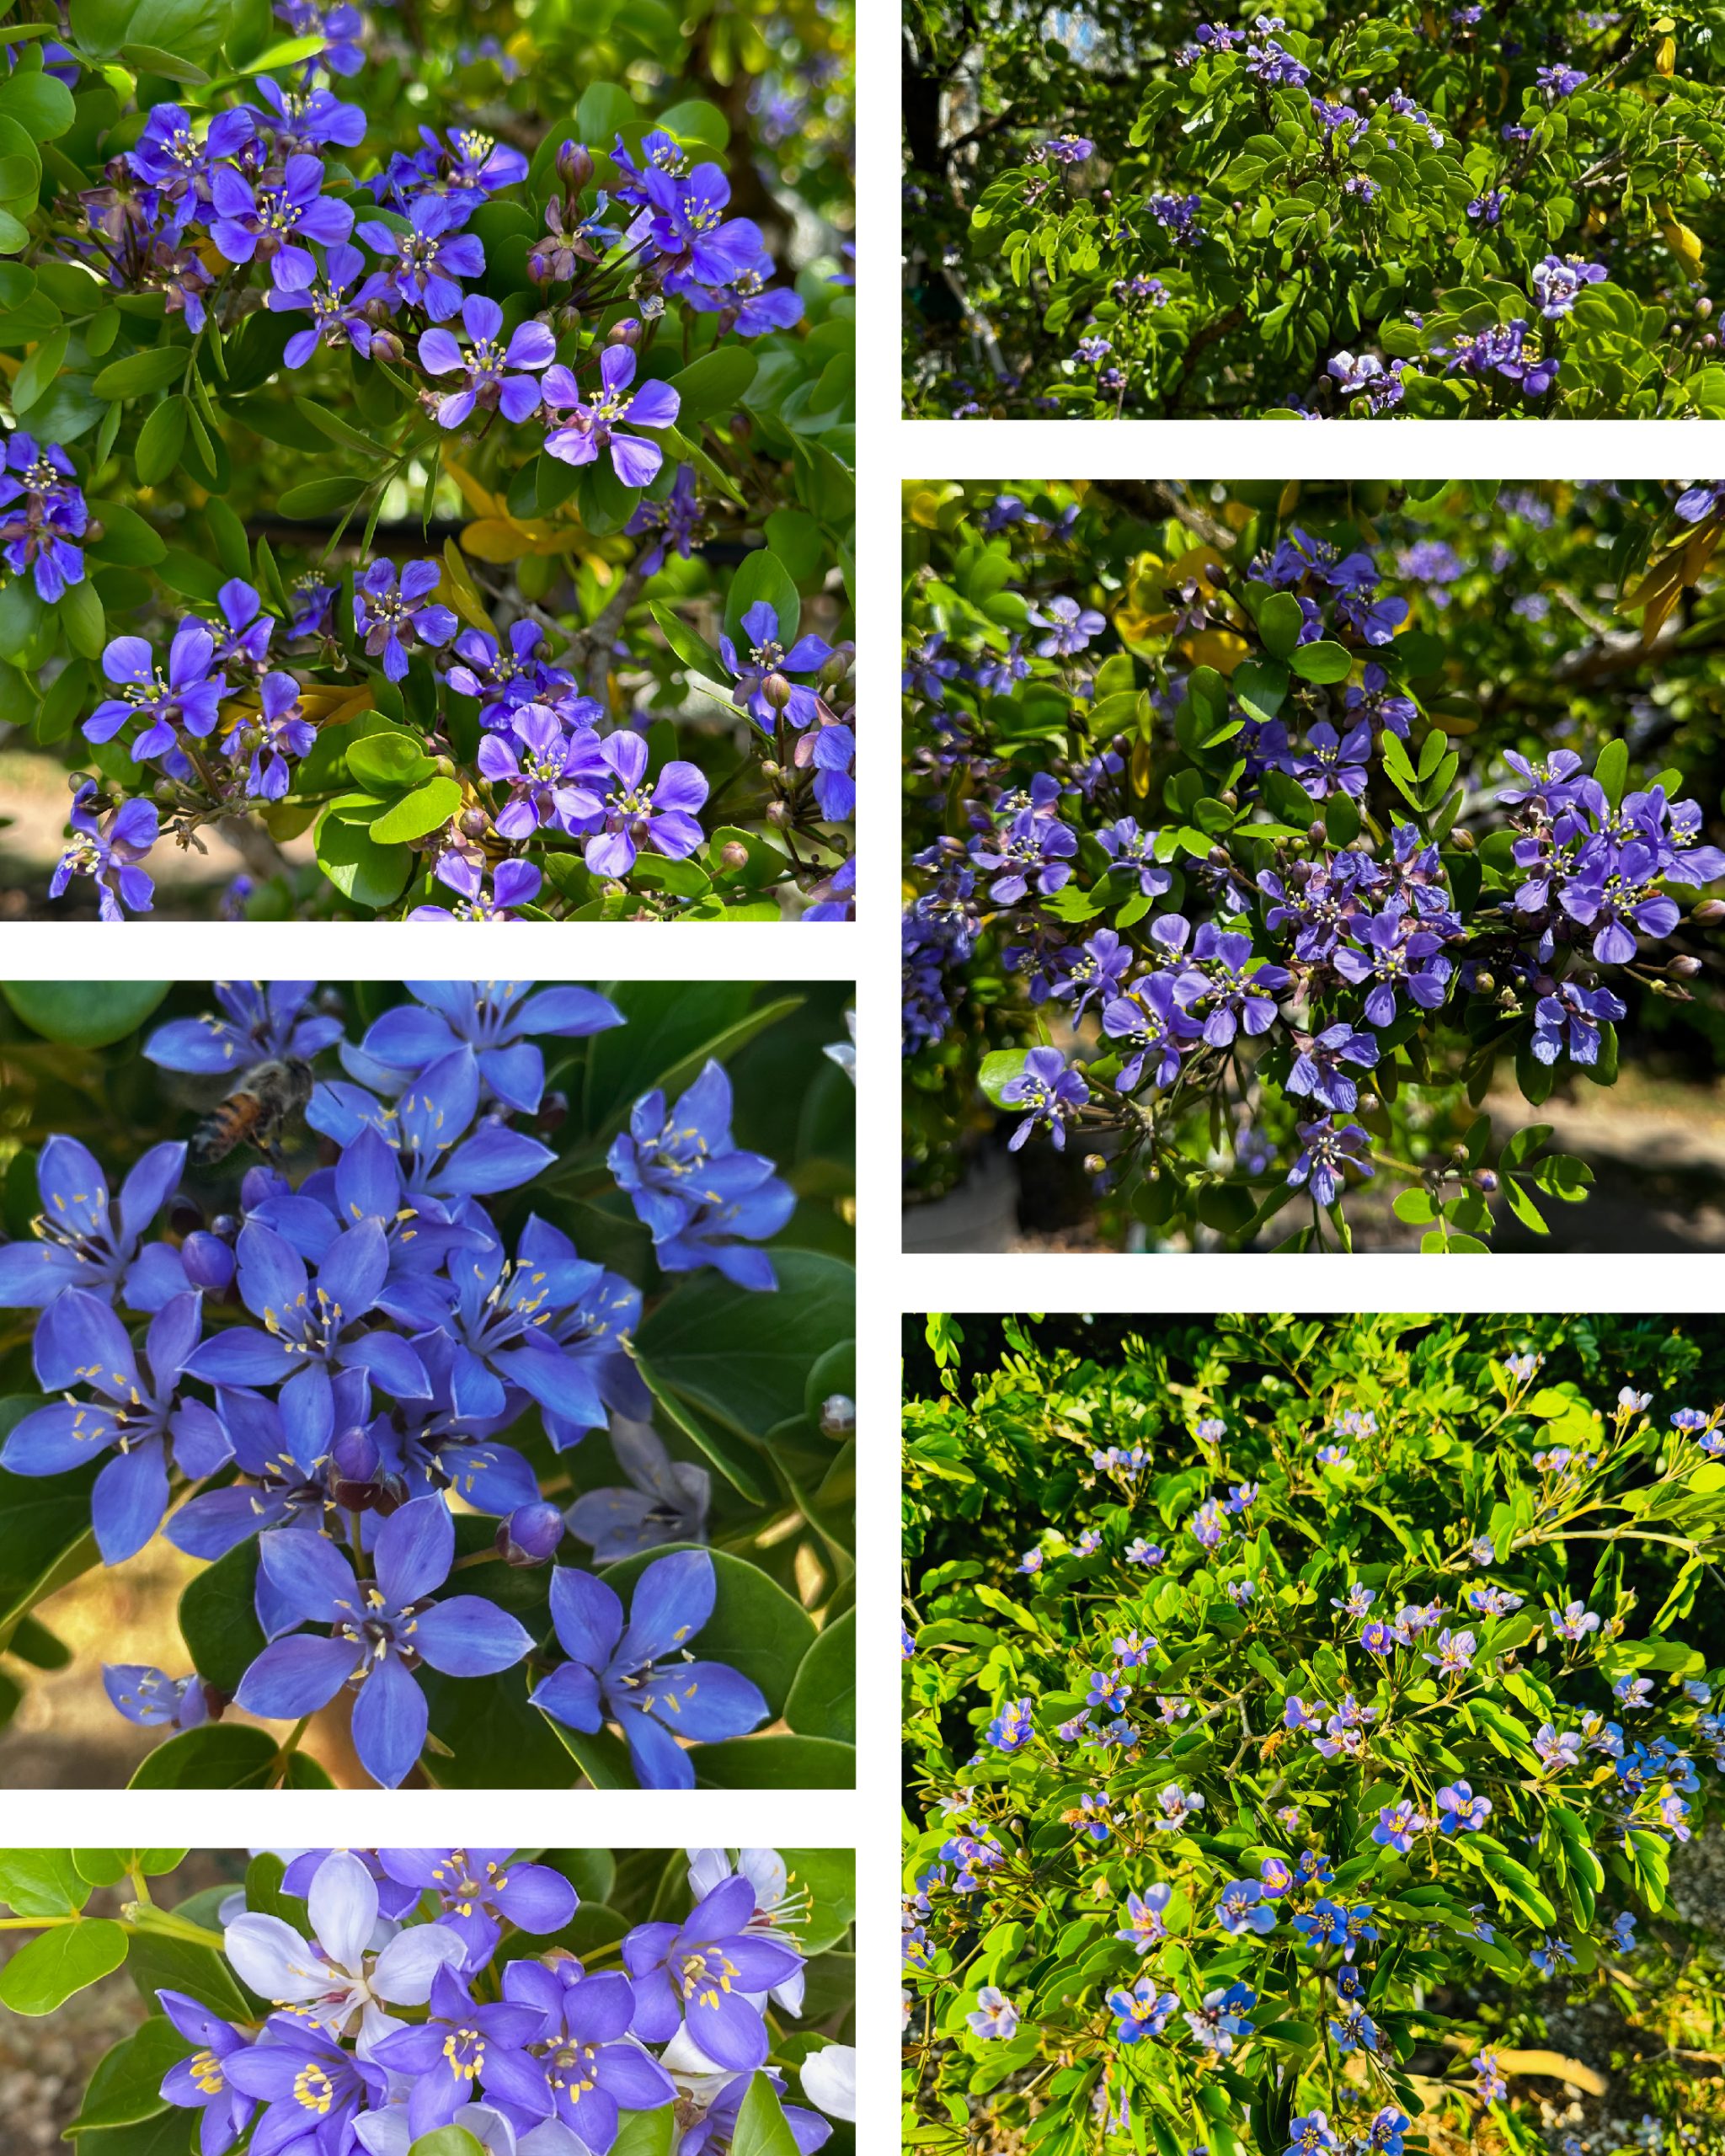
324,1369
1301,935
257,203
531,2054
1488,1789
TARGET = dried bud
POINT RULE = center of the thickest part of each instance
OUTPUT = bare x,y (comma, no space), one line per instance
208,1261
734,854
626,332
530,1535
838,1415
574,166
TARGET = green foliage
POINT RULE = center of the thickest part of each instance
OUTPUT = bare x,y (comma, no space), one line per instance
1255,213
1195,1515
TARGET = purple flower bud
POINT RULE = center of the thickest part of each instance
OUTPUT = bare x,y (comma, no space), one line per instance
574,166
530,1535
208,1261
626,332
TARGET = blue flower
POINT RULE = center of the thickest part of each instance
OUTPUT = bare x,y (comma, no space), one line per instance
1012,1727
586,2073
303,1323
140,1420
391,619
499,1020
283,1447
458,2045
691,1185
84,1241
42,515
479,1890
424,261
696,1978
506,1325
668,1502
153,1699
634,1676
1048,1089
1242,1908
311,2089
272,223
201,2082
1142,2010
1224,2015
697,243
265,1020
376,1632
765,660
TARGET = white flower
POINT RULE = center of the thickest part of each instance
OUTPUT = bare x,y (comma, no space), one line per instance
829,2077
341,1977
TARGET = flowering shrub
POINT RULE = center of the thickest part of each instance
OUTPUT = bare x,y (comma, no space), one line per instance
529,1506
1244,867
406,2002
1469,212
1297,1712
422,454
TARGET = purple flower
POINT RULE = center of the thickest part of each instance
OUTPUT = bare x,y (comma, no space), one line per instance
1177,214
513,883
499,1020
1150,1024
189,696
687,1181
748,303
1390,957
264,1020
1331,764
588,2074
336,319
457,2045
1048,1089
85,1242
1071,627
1324,1152
674,521
1224,2015
153,1699
1242,1908
1692,505
689,227
374,1634
109,853
393,619
1031,845
1561,82
303,119
545,771
428,258
593,426
1317,1072
659,814
1098,969
482,366
201,2082
177,162
1557,280
271,224
1238,994
639,1676
768,662
341,28
1570,1017
79,1340
279,733
699,1977
42,513
297,2070
1616,894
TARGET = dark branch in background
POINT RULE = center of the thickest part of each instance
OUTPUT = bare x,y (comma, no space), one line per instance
408,532
1154,503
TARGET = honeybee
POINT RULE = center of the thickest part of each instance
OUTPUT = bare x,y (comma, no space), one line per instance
257,1112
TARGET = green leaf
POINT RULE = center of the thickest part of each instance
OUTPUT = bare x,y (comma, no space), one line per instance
715,382
761,2130
647,2133
426,808
44,1974
191,29
220,1755
126,2085
99,27
692,649
1000,1067
161,439
1279,622
1322,661
322,498
695,121
36,376
41,1882
370,874
40,102
447,2141
152,60
823,1699
127,539
387,761
83,1014
159,367
604,112
755,1626
744,1358
1611,769
81,618
763,576
218,1618
777,1762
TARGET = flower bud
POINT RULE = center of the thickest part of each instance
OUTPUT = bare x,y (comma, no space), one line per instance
1485,983
770,769
1368,1103
1708,914
626,332
1684,966
1463,841
838,1415
1704,306
530,1535
166,792
1316,833
574,166
1710,343
354,1465
1094,1164
837,663
778,813
208,1261
474,822
226,1226
386,345
777,692
1486,1180
734,854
